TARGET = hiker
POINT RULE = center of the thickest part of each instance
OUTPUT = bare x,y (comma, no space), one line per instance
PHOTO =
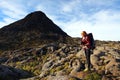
86,45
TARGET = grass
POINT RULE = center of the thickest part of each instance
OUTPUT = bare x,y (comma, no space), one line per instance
93,76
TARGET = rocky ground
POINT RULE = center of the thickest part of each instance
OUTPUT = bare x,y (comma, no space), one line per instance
58,61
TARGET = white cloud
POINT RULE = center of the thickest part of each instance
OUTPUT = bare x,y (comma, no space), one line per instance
104,25
2,24
99,2
107,15
69,6
13,10
6,21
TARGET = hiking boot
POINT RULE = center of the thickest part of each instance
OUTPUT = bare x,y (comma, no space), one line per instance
86,69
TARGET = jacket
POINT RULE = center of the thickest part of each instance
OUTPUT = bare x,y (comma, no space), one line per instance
85,41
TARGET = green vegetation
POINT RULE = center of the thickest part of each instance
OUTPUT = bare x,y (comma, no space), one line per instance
93,76
73,78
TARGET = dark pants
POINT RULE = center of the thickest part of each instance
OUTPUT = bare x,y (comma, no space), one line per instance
87,54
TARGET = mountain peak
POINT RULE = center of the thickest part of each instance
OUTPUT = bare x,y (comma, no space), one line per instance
39,21
38,15
35,28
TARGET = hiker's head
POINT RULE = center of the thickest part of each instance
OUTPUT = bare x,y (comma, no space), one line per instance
83,33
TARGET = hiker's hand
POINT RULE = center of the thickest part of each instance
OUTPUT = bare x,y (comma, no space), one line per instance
81,46
85,47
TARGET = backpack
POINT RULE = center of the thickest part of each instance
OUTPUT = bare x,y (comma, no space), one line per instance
92,41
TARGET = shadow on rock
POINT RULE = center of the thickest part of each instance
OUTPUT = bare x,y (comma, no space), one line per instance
10,73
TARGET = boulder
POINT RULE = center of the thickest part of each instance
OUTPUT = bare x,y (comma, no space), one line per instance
9,73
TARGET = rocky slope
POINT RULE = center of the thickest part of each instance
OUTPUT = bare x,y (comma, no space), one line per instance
61,62
40,55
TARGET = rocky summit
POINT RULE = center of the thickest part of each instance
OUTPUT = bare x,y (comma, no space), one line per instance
34,48
35,29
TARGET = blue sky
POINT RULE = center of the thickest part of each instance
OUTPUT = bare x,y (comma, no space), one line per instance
101,17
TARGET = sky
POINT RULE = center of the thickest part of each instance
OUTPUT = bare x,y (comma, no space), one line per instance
101,17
